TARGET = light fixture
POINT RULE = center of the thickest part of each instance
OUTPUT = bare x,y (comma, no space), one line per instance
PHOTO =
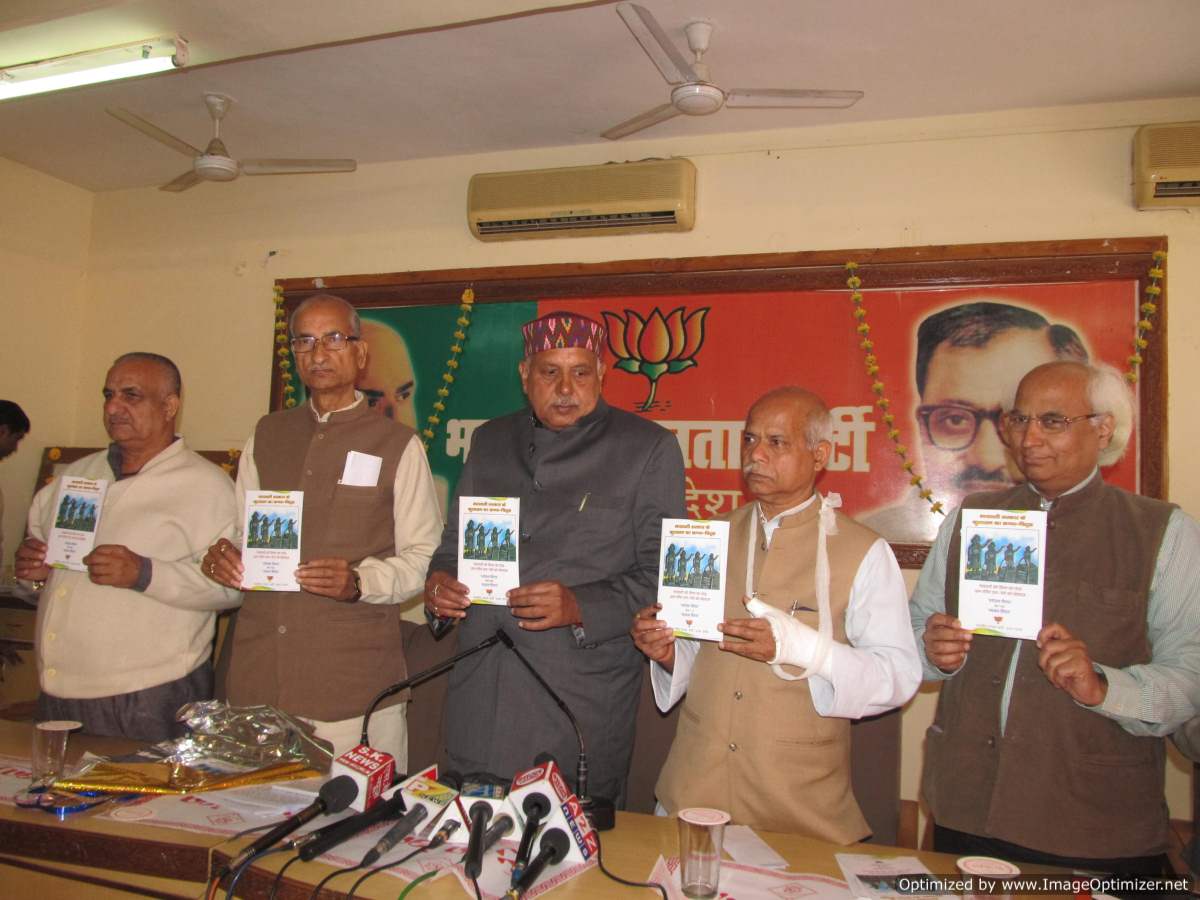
92,66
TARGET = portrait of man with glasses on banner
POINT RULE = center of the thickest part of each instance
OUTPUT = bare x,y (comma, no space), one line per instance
969,359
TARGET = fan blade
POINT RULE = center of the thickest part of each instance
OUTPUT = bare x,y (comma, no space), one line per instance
645,120
658,46
765,98
151,130
296,166
183,182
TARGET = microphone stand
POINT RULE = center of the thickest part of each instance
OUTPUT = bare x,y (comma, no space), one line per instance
431,672
601,811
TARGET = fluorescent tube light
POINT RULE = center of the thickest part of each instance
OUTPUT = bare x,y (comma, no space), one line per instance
93,66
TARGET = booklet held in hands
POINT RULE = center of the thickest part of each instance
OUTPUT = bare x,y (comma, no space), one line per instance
1000,568
691,571
271,549
488,564
73,533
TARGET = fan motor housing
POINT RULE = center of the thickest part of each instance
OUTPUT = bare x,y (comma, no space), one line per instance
697,99
211,167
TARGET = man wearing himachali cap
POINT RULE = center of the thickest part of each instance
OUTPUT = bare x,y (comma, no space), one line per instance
594,484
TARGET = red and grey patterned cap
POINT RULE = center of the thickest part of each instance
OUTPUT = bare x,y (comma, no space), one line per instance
562,331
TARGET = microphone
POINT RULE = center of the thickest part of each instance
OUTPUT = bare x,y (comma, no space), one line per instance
414,680
334,796
480,814
402,829
600,811
551,851
536,807
346,829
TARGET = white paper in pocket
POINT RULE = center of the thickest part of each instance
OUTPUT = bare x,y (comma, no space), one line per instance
362,469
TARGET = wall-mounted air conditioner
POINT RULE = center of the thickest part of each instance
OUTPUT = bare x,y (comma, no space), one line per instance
617,198
1166,165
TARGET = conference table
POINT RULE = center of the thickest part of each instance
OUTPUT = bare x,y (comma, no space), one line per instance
92,856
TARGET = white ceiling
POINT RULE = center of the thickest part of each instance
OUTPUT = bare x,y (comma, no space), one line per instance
382,81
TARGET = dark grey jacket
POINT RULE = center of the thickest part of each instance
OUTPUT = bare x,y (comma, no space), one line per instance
592,500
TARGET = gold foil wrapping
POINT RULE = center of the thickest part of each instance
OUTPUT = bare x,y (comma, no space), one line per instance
175,778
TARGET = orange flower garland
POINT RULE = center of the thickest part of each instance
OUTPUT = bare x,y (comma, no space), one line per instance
462,323
871,363
282,351
1148,308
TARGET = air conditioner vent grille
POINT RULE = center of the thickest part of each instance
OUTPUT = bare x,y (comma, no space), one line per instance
558,223
1177,189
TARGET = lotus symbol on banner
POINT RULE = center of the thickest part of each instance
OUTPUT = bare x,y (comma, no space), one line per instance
655,345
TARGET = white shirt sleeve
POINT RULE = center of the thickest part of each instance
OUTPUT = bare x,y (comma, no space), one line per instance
669,687
418,529
879,669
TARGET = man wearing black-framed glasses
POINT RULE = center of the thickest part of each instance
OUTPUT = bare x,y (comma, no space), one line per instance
1051,752
969,359
371,520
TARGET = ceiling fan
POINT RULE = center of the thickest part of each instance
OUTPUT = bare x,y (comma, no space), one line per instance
214,163
694,93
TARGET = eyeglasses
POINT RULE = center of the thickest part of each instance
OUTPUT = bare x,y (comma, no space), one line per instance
335,340
953,427
1050,423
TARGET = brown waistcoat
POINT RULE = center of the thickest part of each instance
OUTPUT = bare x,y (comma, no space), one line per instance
1061,779
749,742
306,654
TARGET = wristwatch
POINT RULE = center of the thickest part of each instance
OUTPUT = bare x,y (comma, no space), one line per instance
357,587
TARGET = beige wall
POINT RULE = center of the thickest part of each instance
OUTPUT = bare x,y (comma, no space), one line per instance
44,240
190,275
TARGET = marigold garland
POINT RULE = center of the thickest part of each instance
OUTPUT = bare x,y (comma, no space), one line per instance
871,363
283,354
1145,323
462,324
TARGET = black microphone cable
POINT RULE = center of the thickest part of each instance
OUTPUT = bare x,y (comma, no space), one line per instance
443,834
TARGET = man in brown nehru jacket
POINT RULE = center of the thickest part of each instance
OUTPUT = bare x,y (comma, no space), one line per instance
324,652
1052,751
765,730
594,483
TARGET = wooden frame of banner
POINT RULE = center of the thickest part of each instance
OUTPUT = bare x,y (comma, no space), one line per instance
955,265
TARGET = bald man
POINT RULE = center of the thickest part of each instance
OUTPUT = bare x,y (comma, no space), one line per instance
123,645
1051,752
765,730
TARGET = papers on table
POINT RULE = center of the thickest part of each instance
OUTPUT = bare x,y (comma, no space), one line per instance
73,533
487,547
1000,571
691,570
271,547
882,878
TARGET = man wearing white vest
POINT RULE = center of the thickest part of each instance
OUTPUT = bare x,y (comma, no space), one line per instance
765,730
